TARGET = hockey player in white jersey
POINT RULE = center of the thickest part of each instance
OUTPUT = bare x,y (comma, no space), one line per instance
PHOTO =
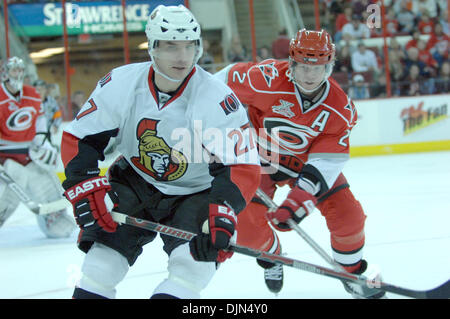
26,155
188,160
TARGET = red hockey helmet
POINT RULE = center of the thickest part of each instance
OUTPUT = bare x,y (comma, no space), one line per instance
312,47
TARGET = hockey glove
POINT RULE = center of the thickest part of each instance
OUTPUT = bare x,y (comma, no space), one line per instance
296,206
220,227
43,153
92,202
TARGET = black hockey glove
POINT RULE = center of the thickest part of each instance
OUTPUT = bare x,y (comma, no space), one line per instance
92,201
210,244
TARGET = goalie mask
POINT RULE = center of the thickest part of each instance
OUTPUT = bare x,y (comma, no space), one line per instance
13,73
172,23
311,59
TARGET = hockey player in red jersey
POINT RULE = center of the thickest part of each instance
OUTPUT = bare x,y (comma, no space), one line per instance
162,114
303,120
26,154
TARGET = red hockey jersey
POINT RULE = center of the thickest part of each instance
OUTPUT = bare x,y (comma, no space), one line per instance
291,131
19,121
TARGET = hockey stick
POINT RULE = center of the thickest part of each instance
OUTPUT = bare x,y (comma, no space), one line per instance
441,292
273,206
36,208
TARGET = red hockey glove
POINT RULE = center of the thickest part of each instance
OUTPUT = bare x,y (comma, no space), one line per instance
92,201
210,244
296,206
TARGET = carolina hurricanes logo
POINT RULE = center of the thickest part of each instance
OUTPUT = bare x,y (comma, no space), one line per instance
292,137
156,158
269,72
21,119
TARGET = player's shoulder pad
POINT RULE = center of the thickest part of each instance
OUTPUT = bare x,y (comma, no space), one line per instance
340,102
124,74
29,91
214,90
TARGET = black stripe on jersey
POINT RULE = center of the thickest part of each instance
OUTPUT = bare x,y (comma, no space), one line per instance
312,174
351,252
223,190
85,164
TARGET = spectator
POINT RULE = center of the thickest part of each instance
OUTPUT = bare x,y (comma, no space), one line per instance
412,83
356,29
440,55
364,60
391,23
396,51
438,39
207,60
341,20
52,110
442,83
443,21
343,61
280,46
264,54
237,52
412,58
360,6
415,38
397,72
426,25
419,7
405,17
358,89
78,99
335,9
425,56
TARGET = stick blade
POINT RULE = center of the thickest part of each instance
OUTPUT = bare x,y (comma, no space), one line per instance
440,292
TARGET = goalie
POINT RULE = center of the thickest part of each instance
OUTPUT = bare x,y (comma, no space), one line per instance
26,154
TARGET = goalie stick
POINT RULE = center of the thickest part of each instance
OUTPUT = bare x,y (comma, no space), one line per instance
36,208
440,292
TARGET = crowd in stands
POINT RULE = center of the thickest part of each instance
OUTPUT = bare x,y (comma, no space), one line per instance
419,66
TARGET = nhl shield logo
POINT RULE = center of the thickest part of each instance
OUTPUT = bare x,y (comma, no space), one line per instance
284,109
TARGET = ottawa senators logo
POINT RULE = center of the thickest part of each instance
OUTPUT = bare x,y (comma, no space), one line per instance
156,158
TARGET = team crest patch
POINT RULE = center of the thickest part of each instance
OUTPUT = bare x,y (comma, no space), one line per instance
229,104
107,78
269,72
284,109
156,158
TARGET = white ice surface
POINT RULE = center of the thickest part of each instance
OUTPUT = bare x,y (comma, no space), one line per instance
406,199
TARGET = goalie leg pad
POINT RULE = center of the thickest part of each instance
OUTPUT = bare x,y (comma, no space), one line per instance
103,269
8,203
187,277
59,224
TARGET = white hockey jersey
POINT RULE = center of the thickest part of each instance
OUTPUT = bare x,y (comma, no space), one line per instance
168,140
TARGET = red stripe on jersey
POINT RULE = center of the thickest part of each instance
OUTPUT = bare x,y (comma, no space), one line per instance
246,178
69,147
89,110
178,92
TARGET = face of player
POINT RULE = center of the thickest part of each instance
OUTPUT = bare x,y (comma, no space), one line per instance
309,77
175,58
160,162
15,82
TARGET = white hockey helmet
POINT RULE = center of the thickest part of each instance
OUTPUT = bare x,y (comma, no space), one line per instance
16,80
173,23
